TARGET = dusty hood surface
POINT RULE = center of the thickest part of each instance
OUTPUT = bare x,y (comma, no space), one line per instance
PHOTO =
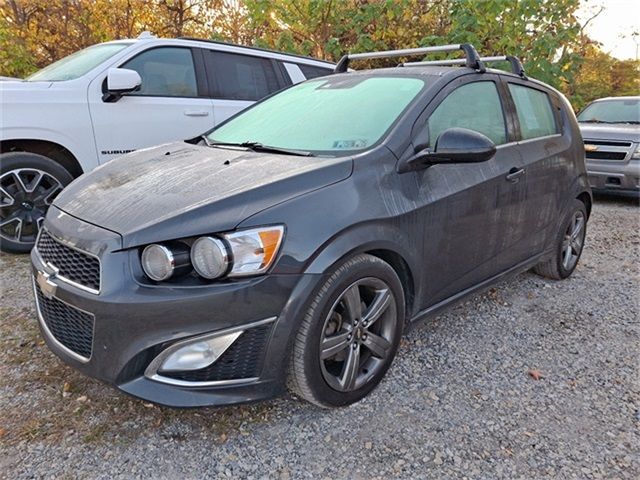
611,131
178,190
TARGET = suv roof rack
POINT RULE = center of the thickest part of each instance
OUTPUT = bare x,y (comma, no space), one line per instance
471,60
516,64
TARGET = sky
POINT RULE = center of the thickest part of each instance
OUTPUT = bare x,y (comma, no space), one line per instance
619,18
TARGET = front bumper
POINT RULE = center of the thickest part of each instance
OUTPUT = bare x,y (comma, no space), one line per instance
612,176
134,322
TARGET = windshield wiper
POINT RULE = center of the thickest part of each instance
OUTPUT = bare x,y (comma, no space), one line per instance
206,140
260,147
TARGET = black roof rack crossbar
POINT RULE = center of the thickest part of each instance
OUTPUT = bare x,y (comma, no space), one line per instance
516,64
472,59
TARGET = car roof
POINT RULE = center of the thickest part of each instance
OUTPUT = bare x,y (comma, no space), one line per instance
430,70
629,97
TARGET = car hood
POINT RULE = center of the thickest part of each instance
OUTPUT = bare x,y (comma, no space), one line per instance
181,190
611,131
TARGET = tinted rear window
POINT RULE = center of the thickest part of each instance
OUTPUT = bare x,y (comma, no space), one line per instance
311,71
240,77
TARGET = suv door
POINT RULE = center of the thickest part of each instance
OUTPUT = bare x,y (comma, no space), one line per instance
546,156
471,212
170,105
238,80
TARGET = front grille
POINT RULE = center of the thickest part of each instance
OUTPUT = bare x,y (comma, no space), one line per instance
72,265
609,143
71,327
606,155
243,359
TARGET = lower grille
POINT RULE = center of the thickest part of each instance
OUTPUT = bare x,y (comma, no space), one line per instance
70,327
243,359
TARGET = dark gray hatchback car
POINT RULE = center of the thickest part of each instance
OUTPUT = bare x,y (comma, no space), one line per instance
293,244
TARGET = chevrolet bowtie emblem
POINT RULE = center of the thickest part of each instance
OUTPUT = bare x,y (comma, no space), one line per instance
590,148
47,287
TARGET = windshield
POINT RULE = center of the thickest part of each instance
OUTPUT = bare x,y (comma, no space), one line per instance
339,114
612,111
77,64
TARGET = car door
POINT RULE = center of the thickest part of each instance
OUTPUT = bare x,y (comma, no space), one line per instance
471,211
237,80
172,103
546,156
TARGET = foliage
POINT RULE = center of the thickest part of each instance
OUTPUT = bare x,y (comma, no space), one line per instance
544,33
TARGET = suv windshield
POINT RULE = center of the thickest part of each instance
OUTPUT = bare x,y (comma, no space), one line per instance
77,64
335,114
612,111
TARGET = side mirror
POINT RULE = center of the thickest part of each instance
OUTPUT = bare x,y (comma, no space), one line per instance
119,82
454,145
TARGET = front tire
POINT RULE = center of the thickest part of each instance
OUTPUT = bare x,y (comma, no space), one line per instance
28,184
568,244
349,335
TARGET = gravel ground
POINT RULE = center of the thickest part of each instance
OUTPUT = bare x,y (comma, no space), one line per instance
459,401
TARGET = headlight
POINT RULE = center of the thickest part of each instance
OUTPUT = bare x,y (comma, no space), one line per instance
236,254
160,262
636,154
209,257
254,250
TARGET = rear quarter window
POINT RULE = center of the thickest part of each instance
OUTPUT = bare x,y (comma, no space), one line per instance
311,71
534,110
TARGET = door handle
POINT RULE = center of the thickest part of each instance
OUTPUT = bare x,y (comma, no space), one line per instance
514,174
196,113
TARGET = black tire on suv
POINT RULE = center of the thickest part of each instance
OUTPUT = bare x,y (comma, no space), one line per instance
350,333
569,244
29,183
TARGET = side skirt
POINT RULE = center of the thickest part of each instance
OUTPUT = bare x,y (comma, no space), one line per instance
431,311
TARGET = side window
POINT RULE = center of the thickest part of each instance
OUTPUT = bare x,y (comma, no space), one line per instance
475,106
166,72
534,110
311,71
240,77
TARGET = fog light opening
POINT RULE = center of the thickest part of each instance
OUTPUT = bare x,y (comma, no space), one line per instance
197,354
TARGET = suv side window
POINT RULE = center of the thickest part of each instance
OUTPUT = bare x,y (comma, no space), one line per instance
165,72
534,110
311,71
475,106
240,77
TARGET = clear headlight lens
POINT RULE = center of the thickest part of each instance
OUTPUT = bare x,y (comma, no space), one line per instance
254,250
236,254
636,154
158,262
209,257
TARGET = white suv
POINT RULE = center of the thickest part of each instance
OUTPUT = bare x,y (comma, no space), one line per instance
116,97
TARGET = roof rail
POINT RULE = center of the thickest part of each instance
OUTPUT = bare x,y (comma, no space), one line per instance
516,64
472,59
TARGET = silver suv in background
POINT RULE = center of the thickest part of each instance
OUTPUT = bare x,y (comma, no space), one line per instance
611,131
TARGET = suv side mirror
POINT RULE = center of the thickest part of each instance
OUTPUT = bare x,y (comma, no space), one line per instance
119,82
454,145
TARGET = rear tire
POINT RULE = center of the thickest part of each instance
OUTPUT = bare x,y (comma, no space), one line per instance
29,183
350,334
569,244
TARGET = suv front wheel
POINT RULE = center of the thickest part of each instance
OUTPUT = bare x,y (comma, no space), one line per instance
28,184
350,333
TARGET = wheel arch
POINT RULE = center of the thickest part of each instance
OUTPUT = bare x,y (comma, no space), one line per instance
46,148
389,245
585,197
